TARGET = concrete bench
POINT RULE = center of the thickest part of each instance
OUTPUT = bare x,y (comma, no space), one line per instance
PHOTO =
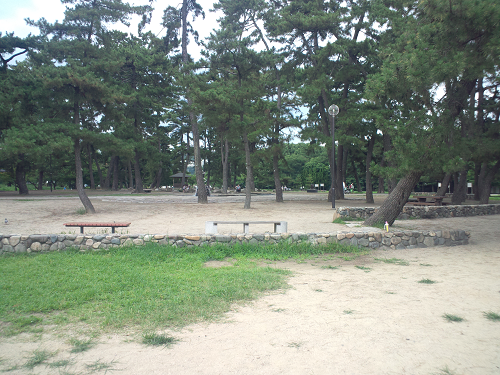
279,226
83,225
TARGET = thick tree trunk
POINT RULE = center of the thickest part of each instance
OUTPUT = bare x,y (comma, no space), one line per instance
224,156
249,177
87,204
460,191
444,185
394,203
486,177
276,175
116,174
369,153
139,188
21,178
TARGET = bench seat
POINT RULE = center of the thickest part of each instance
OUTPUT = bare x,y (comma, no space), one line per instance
279,226
105,224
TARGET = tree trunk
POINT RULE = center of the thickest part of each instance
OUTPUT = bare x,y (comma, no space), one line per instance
87,204
391,182
339,179
200,182
444,185
157,180
460,191
332,174
137,173
394,203
21,178
40,179
381,188
224,150
276,175
130,176
369,153
475,184
486,177
91,172
249,177
356,176
99,172
109,173
116,173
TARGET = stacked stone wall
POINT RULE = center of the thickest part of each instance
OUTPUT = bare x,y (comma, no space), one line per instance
424,212
374,240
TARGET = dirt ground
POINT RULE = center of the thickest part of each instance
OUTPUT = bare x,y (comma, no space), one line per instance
340,316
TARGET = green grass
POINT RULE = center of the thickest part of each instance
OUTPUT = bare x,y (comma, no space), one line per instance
81,211
427,281
339,220
399,262
150,286
366,269
155,339
39,357
80,346
453,318
492,316
330,267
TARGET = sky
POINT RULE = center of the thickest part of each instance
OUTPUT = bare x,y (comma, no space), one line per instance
13,13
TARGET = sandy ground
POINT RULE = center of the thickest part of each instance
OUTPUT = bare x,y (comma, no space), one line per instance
362,316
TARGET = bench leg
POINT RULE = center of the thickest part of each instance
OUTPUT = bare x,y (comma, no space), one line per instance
81,229
210,227
112,229
246,228
281,227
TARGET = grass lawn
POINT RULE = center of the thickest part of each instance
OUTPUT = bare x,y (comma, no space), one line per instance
148,287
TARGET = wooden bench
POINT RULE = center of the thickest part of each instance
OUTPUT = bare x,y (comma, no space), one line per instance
279,226
422,200
83,225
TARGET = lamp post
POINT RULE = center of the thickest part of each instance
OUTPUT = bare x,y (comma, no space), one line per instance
333,110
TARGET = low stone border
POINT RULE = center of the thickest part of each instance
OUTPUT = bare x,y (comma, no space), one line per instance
424,212
374,240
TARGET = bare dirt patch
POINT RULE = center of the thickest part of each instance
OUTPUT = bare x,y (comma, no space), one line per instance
341,315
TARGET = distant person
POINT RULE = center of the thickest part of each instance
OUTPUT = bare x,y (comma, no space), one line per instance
238,188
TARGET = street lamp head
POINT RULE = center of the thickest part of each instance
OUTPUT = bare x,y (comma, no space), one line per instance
333,110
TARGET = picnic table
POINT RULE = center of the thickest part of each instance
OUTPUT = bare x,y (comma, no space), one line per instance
427,200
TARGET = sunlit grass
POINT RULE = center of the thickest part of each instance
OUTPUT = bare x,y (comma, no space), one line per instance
150,286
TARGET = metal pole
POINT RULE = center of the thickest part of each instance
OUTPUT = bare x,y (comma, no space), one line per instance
333,161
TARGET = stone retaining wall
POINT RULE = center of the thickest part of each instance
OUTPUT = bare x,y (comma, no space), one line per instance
424,212
385,240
